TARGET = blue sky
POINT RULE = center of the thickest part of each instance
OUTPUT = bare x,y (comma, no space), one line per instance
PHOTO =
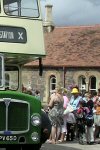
74,12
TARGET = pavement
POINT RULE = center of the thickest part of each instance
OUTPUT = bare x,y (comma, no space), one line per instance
71,145
78,146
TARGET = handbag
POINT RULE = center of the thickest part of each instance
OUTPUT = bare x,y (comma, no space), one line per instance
68,109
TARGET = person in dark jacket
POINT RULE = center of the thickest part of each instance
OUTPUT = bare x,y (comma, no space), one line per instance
82,111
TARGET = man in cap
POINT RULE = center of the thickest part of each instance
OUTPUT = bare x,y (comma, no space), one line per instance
74,102
75,98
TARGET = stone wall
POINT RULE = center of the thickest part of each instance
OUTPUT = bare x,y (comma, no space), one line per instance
31,76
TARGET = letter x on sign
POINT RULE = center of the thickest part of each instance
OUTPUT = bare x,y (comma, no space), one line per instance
20,35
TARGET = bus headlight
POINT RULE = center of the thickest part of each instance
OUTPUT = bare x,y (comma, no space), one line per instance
35,120
35,136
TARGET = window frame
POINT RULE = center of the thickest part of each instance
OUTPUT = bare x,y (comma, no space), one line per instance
90,87
2,71
52,84
19,9
82,86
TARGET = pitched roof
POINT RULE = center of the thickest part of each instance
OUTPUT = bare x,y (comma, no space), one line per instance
72,47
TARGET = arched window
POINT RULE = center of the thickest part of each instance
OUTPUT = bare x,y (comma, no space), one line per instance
92,83
52,83
82,83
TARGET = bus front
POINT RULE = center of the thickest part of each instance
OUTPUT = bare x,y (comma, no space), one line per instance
21,41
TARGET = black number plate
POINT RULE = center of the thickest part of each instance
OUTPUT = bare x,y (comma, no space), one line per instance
8,138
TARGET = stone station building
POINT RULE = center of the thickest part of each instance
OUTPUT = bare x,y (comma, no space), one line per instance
72,57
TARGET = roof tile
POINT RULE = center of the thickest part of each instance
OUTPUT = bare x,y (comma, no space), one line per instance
72,47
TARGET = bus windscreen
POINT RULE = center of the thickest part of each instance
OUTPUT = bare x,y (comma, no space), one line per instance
22,8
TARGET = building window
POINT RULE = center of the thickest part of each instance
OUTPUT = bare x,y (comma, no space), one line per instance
82,83
92,83
52,83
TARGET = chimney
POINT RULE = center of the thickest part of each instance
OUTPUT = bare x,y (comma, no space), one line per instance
48,22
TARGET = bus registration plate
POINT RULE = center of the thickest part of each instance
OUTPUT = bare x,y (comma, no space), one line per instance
8,138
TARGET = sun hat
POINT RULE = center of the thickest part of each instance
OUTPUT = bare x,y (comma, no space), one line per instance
74,91
64,90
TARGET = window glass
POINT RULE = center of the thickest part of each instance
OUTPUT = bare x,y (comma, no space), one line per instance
28,8
52,83
11,78
92,85
7,80
82,83
1,71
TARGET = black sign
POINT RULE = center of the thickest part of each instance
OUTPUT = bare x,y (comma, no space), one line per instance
12,34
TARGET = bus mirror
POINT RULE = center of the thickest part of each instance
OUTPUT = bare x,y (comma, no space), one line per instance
40,67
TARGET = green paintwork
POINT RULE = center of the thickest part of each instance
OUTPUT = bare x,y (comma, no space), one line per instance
35,107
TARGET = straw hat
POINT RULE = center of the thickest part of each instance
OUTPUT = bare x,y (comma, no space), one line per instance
64,90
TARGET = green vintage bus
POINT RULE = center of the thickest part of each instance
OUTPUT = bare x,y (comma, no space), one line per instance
21,41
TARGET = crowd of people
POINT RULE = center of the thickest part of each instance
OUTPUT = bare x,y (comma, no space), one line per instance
30,91
74,118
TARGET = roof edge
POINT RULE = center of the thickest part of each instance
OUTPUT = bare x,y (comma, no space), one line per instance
78,26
